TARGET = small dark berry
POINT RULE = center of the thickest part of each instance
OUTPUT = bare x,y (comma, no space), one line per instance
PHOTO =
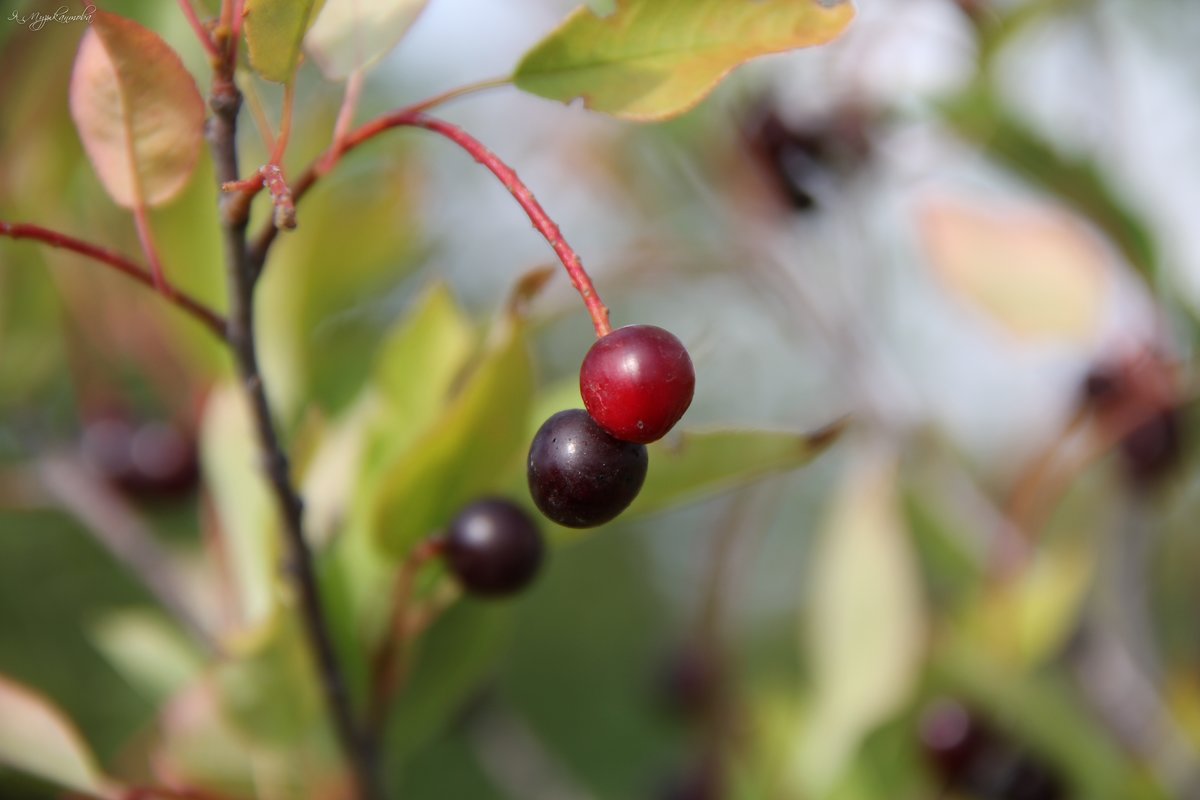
952,739
579,476
156,460
690,682
1154,448
493,548
636,382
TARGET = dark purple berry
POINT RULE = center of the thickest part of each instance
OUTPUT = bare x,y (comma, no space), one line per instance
580,476
952,740
493,548
1154,448
636,382
690,682
151,461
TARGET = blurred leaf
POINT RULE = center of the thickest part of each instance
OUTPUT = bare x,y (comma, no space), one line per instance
453,660
328,297
352,35
138,111
244,505
148,651
36,739
418,362
978,116
267,685
865,627
274,32
651,60
467,451
1029,617
1038,273
1044,711
698,464
197,743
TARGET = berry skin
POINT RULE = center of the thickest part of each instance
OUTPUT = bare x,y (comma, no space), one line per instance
636,382
155,460
493,548
579,476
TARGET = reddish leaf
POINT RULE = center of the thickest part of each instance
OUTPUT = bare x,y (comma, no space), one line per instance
138,111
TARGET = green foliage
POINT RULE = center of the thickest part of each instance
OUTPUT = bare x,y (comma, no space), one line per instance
274,33
651,60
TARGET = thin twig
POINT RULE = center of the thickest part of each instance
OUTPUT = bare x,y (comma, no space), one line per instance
121,532
504,173
385,666
200,312
359,747
141,221
201,32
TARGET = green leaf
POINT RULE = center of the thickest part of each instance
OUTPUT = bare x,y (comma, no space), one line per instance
37,740
654,59
352,35
138,111
697,464
455,656
467,451
865,624
147,651
267,687
230,461
417,364
274,32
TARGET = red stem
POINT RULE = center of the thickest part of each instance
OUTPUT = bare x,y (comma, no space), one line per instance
410,117
386,672
200,312
198,27
141,220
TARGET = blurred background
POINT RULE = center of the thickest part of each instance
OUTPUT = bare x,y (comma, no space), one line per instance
968,227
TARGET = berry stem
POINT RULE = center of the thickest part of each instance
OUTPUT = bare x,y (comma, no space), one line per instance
386,672
206,41
358,745
537,215
210,319
141,221
414,118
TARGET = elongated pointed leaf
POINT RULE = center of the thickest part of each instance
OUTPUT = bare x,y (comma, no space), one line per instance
274,32
1036,271
147,651
138,111
231,463
865,628
697,464
36,739
466,452
653,59
352,35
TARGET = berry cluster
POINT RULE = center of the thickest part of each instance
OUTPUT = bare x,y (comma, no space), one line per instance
586,467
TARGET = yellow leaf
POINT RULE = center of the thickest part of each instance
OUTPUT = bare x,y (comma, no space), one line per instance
1036,272
653,59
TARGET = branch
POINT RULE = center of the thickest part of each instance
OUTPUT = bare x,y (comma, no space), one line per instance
359,748
200,312
386,672
201,32
413,118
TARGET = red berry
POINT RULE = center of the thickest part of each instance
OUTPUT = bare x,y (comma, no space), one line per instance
636,382
493,548
579,476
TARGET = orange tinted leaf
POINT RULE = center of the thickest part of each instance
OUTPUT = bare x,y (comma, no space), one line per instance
1037,272
138,111
653,59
